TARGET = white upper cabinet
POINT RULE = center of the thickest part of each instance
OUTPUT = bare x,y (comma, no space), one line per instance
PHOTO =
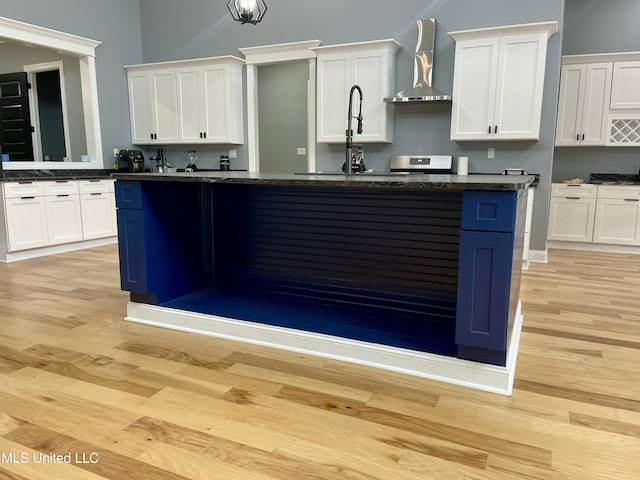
583,104
153,106
210,102
625,92
369,65
190,101
498,82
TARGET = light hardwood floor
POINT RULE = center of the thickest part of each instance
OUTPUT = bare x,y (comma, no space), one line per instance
120,401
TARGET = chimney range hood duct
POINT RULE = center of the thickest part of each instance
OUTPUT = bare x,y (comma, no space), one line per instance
422,91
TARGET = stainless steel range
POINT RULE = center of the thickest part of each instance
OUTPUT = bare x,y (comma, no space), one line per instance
421,163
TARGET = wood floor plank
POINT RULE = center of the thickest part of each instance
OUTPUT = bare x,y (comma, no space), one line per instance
108,464
156,403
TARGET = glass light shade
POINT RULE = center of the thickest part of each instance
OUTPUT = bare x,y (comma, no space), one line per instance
247,11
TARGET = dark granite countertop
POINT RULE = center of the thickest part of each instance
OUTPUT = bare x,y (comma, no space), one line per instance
370,180
42,175
614,179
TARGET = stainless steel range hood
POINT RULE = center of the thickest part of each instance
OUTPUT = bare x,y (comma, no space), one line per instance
422,91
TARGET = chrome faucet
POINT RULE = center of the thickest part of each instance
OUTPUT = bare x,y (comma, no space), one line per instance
349,144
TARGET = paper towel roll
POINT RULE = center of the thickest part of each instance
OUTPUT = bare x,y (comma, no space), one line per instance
463,166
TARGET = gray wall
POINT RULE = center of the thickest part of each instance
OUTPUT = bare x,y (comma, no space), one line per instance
202,28
115,23
596,26
12,59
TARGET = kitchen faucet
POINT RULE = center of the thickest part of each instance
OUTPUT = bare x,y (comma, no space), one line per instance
349,144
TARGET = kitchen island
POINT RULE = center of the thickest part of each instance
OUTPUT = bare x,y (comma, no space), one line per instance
415,273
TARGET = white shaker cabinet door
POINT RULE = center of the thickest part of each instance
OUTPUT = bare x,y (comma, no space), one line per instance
625,93
334,74
26,223
64,223
97,215
369,72
583,103
571,219
519,88
140,108
217,113
473,99
617,221
190,101
153,106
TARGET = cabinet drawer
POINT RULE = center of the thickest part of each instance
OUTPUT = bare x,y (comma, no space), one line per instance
584,190
630,192
60,187
129,194
94,186
23,189
489,211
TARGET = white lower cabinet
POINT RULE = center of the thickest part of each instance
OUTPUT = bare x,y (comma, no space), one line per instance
41,214
572,212
605,214
97,215
617,215
64,223
98,210
26,223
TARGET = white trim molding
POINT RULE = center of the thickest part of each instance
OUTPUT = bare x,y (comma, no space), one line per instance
490,378
85,50
57,249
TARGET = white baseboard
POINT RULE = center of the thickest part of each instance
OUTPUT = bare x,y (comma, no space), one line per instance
594,247
56,249
490,378
538,256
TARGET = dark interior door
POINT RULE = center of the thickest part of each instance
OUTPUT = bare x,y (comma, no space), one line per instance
15,121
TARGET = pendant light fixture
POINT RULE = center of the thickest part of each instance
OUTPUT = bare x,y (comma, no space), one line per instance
247,11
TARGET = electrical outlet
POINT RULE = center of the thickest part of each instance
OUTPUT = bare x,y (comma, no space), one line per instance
115,152
233,153
491,153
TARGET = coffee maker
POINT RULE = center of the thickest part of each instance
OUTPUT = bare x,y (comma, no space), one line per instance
129,161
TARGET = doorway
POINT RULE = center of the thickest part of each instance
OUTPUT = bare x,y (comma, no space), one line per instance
282,116
48,105
278,55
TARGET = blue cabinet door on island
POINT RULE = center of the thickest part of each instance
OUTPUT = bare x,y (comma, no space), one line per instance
131,248
488,273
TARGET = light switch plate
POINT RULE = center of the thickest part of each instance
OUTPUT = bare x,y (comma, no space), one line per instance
301,151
